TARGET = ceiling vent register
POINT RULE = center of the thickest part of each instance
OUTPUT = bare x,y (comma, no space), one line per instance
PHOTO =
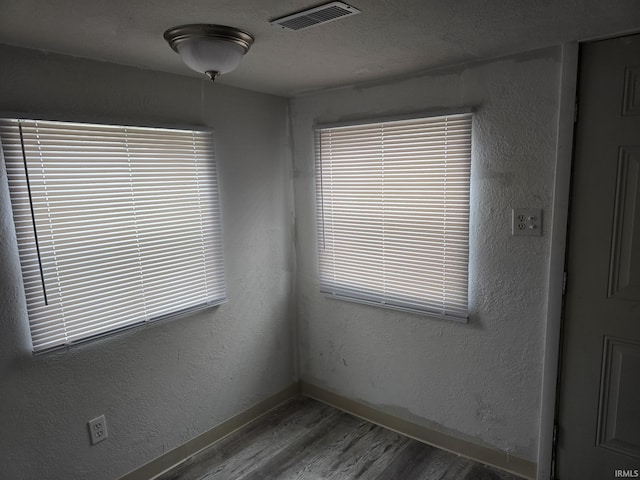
315,16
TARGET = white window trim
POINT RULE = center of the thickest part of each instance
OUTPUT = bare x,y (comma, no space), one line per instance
156,188
348,181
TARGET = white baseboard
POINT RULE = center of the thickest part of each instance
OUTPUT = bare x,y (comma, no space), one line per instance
465,448
202,441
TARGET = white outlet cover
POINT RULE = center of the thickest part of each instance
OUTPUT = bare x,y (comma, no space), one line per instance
526,222
97,429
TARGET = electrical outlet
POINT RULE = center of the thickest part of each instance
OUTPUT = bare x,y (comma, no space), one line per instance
526,222
97,429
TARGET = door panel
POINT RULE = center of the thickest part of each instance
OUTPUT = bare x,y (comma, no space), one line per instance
631,104
624,280
599,404
618,421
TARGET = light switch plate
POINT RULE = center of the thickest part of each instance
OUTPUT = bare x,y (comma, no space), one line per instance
526,222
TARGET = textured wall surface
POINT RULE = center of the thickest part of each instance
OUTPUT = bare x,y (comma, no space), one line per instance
479,381
163,384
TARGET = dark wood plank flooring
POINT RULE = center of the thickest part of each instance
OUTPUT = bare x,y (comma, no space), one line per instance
306,439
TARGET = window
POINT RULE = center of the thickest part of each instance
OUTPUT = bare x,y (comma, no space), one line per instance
393,213
116,226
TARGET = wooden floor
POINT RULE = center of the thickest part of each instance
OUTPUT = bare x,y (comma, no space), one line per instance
305,439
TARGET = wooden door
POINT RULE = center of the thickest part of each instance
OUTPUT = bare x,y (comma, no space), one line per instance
599,405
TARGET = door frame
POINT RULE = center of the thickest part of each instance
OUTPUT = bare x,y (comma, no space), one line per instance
557,231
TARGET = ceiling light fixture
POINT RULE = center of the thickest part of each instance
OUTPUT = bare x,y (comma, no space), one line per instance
209,49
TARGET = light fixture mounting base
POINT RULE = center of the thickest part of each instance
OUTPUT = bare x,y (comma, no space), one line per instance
181,33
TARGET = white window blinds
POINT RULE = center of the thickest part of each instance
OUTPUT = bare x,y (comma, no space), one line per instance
393,213
116,225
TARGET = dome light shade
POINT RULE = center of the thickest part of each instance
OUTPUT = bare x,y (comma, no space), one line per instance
209,49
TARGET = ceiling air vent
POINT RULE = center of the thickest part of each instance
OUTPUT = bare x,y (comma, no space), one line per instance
315,16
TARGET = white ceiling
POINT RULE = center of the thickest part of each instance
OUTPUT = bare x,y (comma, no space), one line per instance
389,38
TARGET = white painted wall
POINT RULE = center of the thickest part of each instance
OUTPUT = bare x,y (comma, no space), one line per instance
161,385
479,381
